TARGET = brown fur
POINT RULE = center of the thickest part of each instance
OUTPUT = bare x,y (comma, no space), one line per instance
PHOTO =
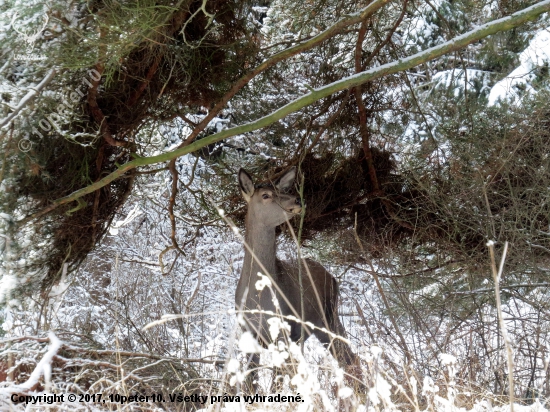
268,207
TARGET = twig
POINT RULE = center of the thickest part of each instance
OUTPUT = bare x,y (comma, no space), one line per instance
299,250
387,39
510,287
506,23
363,110
28,97
384,299
175,178
418,272
510,355
171,203
194,294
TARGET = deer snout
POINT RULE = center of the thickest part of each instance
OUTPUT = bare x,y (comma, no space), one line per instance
296,207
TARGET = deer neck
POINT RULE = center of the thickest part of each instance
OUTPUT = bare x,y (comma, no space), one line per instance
261,248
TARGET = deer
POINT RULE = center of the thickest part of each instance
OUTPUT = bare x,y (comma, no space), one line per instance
268,206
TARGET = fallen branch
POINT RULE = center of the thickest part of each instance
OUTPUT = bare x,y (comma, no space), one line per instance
70,348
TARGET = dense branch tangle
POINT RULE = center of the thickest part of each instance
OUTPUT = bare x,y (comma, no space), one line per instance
189,146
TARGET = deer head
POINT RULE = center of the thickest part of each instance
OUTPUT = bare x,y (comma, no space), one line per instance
269,205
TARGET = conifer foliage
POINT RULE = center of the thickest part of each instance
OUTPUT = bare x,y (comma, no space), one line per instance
419,130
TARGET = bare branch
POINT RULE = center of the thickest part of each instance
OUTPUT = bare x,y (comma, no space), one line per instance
283,55
457,43
497,275
29,97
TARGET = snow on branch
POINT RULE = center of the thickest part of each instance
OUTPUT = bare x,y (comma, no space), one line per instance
43,368
28,97
459,42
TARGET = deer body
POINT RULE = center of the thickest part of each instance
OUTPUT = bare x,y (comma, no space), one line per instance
268,207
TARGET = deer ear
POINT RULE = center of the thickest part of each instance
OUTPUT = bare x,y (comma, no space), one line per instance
246,184
287,180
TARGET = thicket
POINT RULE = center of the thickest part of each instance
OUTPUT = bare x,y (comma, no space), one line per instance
405,179
135,66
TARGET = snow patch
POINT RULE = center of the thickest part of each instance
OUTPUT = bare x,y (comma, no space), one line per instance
536,55
247,344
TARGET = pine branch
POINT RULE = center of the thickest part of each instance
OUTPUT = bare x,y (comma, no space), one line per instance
457,43
332,31
29,97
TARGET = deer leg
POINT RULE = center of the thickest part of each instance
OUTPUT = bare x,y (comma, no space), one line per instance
343,354
337,348
251,381
278,380
353,364
287,368
279,373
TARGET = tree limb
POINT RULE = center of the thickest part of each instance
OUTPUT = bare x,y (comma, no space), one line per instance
28,97
358,92
457,43
283,55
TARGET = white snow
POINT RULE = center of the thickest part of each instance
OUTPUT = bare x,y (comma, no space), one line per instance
263,282
7,284
536,55
247,344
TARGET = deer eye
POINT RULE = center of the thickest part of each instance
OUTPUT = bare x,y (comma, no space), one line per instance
265,196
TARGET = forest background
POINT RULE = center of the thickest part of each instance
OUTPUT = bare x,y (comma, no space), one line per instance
420,130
